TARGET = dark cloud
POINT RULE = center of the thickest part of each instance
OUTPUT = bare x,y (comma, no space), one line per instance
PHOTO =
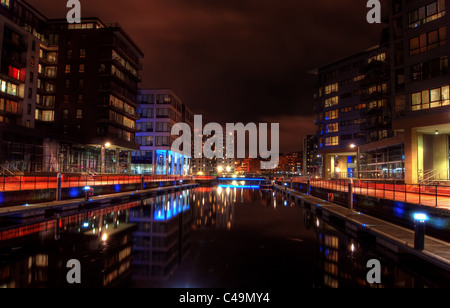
236,60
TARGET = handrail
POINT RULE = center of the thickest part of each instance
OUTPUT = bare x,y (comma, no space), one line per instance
11,169
433,178
5,171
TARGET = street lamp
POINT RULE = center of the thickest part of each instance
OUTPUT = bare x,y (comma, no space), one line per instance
103,155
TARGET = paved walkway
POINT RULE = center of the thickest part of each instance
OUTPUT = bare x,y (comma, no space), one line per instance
429,195
30,209
436,251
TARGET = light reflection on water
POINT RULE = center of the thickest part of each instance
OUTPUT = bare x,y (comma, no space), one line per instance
205,237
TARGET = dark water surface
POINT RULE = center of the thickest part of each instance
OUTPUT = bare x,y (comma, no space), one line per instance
201,238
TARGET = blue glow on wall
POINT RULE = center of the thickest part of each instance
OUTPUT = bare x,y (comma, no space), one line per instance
74,192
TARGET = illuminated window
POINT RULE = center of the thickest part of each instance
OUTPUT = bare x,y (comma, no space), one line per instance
331,115
433,98
331,88
332,128
380,57
428,41
359,106
5,3
48,116
68,68
15,73
79,113
332,141
9,88
81,68
359,78
333,101
381,88
426,14
82,53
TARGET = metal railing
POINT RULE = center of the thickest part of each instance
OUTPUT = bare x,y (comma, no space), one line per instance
5,172
435,176
430,195
17,183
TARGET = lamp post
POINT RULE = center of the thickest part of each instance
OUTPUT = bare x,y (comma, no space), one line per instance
358,156
103,156
419,234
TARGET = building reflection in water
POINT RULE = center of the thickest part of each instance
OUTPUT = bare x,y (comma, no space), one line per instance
214,207
341,261
162,239
36,255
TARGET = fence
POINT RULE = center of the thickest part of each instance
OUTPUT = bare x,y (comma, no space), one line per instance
430,195
18,183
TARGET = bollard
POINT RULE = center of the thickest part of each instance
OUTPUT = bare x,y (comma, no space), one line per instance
419,235
59,187
350,194
88,193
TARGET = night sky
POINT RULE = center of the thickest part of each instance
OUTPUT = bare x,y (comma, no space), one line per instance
238,60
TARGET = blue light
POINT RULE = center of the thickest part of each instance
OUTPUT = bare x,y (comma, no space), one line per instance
236,186
421,217
73,192
399,212
241,179
117,187
86,225
86,188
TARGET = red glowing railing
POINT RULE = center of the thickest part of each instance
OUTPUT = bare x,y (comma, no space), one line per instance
19,183
430,195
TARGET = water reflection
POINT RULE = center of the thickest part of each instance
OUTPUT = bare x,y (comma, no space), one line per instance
162,238
214,207
215,237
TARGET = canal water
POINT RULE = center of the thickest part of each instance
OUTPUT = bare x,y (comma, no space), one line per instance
220,237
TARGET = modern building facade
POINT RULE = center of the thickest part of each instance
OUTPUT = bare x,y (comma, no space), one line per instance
421,86
404,97
312,163
354,109
159,111
70,94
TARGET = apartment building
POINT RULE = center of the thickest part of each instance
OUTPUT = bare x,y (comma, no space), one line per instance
353,109
159,111
70,96
420,82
